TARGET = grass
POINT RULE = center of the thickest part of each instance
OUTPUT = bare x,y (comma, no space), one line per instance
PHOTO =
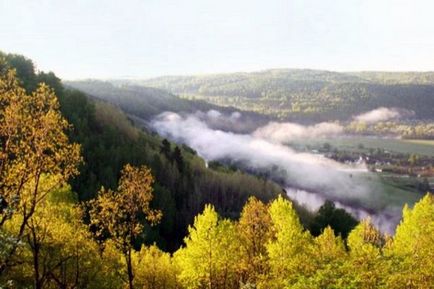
363,144
428,142
389,191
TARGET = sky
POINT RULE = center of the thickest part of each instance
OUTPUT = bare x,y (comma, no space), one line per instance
146,38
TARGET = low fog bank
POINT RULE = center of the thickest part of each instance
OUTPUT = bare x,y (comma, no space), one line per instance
234,122
350,186
383,114
287,132
385,219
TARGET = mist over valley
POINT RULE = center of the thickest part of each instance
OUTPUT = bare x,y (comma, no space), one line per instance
281,144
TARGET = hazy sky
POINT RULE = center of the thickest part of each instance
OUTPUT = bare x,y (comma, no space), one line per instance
143,38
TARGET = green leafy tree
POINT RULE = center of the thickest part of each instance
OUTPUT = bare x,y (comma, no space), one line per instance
290,250
330,256
412,248
209,257
366,266
154,269
57,249
338,219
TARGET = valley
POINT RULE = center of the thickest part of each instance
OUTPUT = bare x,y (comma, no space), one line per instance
360,170
357,169
282,144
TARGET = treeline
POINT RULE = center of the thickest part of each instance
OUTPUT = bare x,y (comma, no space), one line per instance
307,95
140,101
410,130
406,77
144,103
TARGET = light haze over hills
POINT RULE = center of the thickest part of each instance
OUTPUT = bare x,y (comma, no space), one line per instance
137,39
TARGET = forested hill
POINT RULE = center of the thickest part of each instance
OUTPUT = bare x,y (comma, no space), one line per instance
397,77
310,95
144,102
140,101
109,140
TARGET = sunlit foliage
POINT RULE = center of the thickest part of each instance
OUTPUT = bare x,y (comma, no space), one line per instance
117,214
48,239
254,233
34,147
209,258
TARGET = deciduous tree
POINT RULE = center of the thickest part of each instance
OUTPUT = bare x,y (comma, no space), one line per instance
254,231
210,255
412,249
33,145
117,214
290,251
366,254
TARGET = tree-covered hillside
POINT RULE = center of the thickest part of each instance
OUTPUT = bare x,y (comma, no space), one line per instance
308,95
109,140
140,101
145,102
142,104
409,77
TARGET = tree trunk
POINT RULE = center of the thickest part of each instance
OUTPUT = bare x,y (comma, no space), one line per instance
37,281
130,270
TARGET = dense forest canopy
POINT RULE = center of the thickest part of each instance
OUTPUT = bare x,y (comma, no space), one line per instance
308,95
142,104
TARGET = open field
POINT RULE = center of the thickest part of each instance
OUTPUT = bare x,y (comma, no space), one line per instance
364,144
428,142
389,188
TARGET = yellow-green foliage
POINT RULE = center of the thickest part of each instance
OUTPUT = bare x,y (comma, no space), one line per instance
154,269
365,244
209,258
291,248
57,249
254,233
412,248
